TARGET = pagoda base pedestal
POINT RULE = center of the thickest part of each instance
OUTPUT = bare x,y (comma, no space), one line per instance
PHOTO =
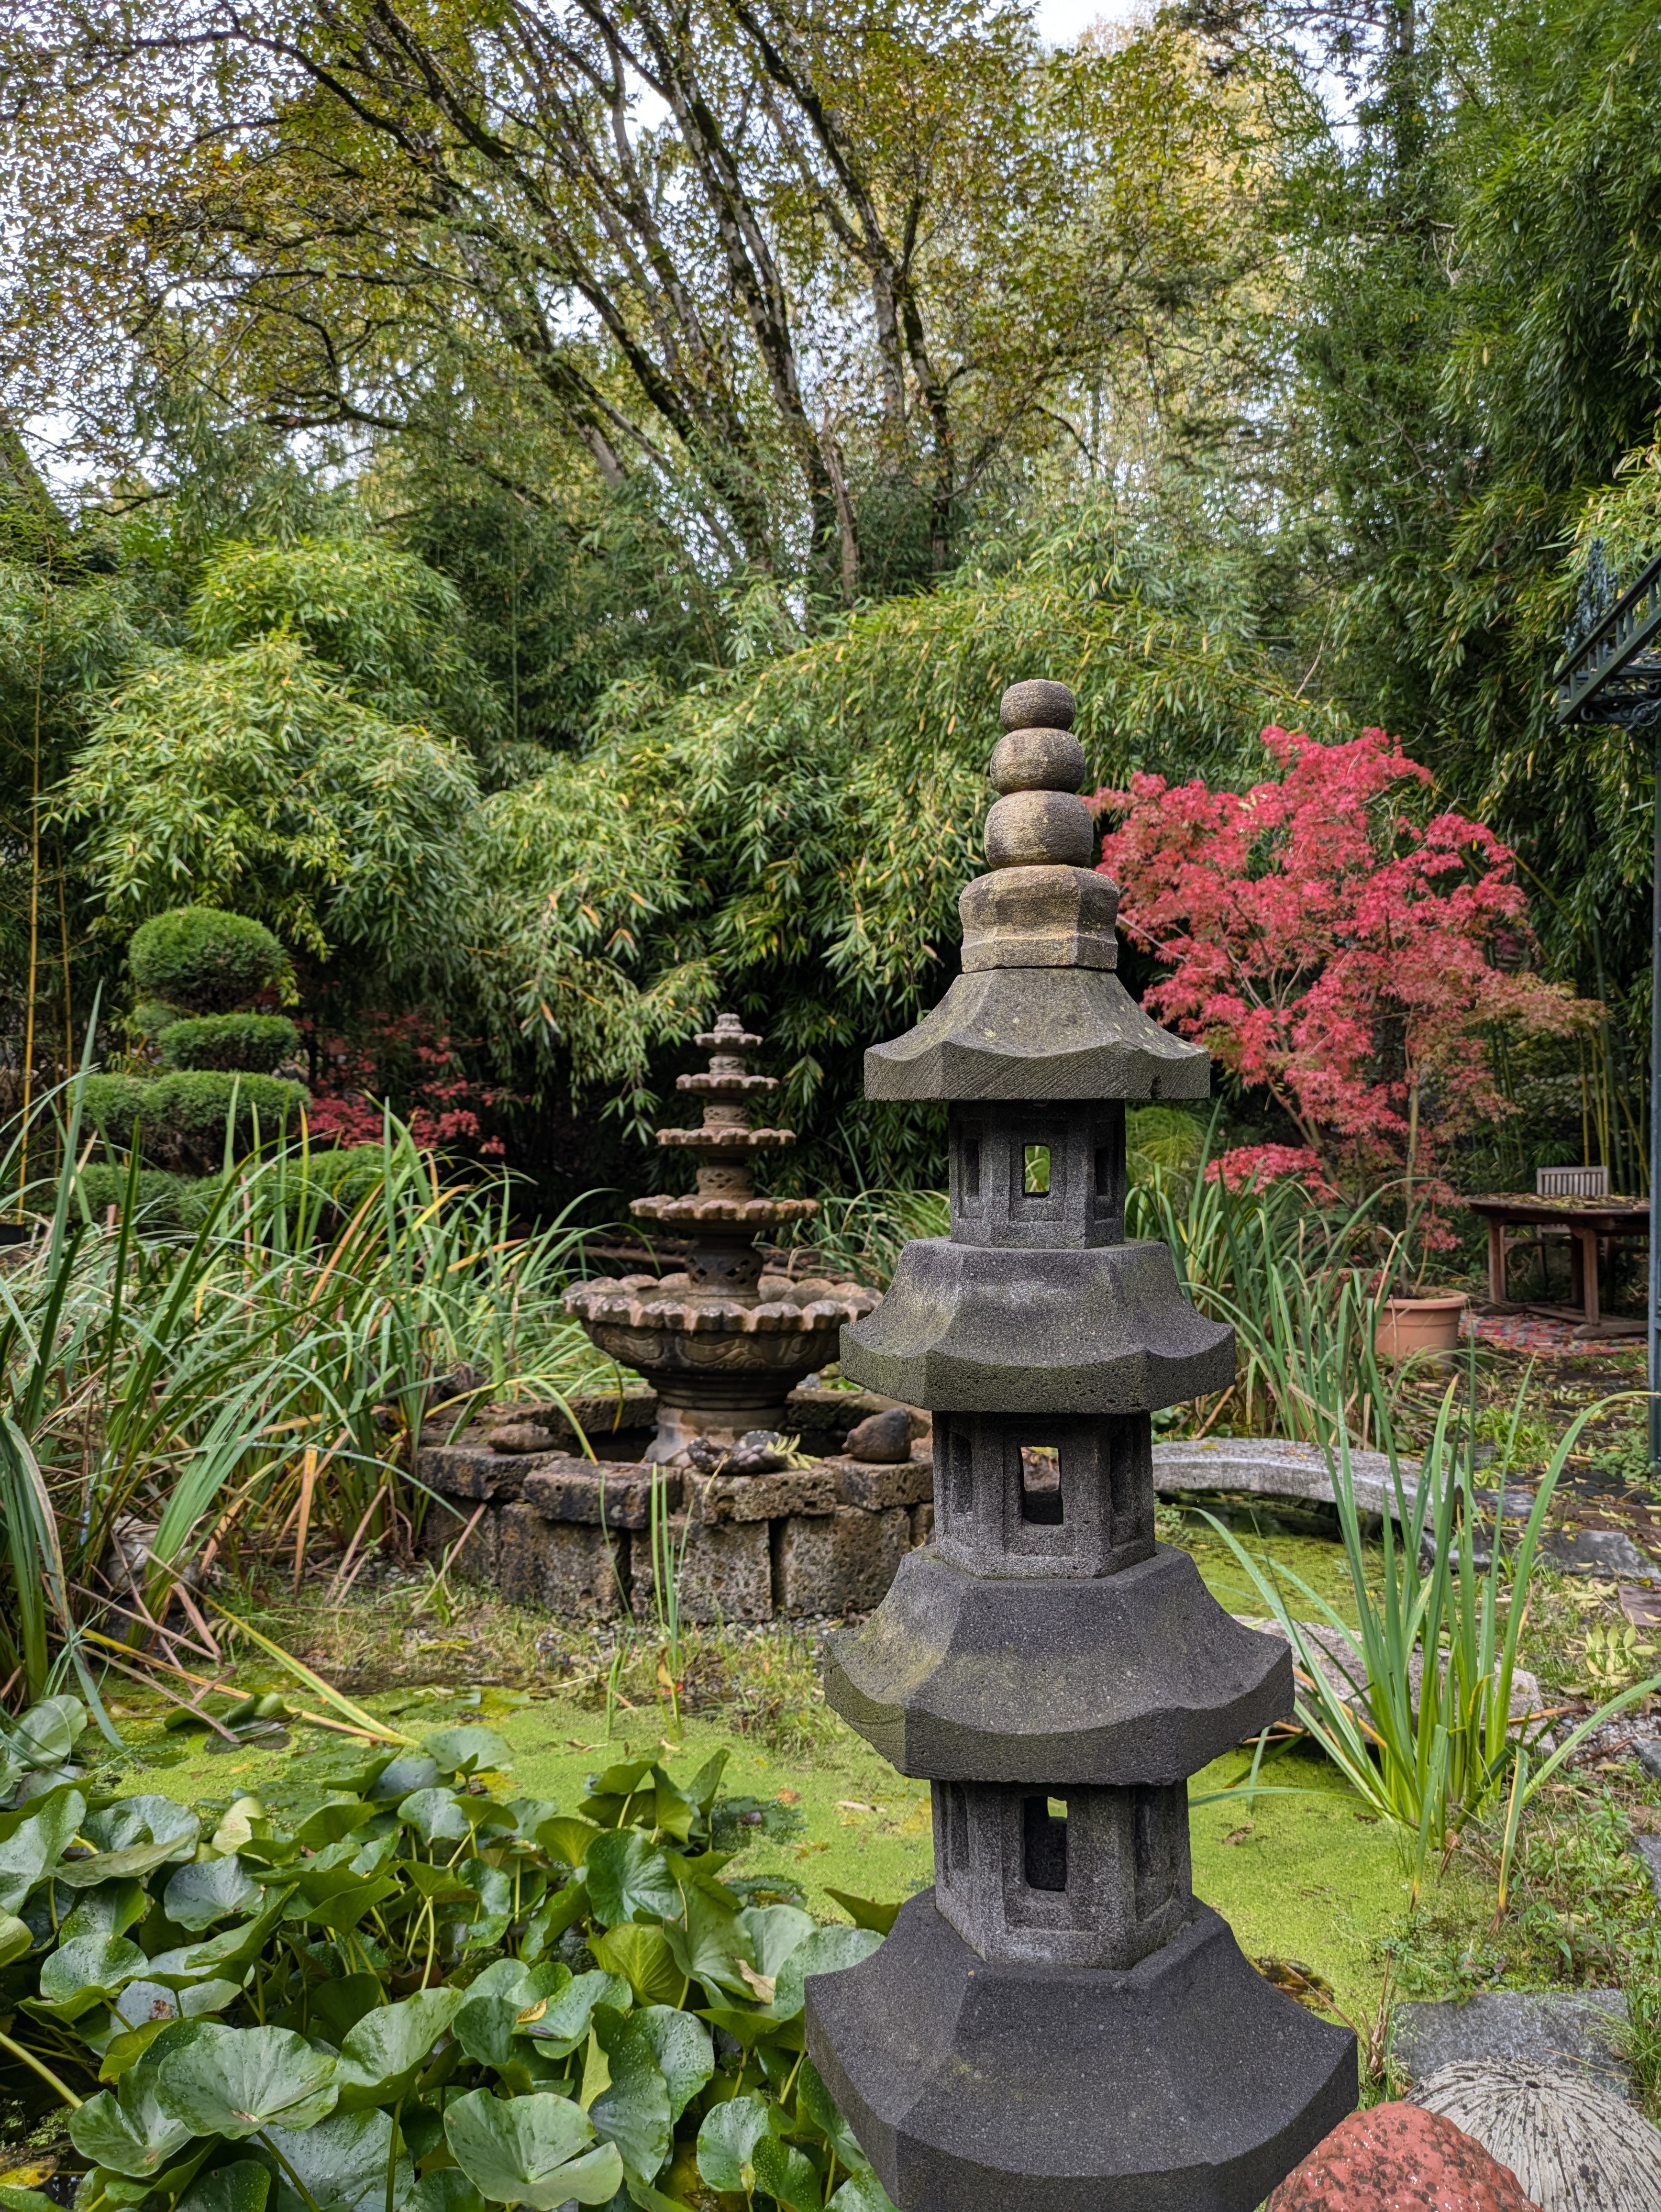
1187,2084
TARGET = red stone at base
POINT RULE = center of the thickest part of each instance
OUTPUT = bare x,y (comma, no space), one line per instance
1399,2158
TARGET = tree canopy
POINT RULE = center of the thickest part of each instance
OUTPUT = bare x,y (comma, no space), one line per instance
569,488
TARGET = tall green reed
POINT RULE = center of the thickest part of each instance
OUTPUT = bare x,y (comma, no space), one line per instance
1303,1285
1418,1720
165,1398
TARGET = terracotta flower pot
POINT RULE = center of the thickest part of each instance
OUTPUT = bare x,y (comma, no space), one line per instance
1410,1325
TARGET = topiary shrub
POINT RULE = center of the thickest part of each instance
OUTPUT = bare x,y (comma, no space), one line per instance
114,1104
254,1044
187,1114
348,1175
204,962
197,968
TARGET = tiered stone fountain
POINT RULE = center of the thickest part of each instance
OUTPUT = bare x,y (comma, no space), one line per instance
723,1342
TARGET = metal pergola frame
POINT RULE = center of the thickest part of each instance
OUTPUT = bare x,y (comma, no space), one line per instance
1614,675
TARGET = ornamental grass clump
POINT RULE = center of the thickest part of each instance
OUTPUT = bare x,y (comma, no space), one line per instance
420,1993
263,1376
1415,1708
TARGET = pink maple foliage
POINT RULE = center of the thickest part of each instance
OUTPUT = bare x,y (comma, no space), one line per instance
416,1064
1337,946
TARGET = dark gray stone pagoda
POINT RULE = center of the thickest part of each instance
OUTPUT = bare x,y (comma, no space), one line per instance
1059,2025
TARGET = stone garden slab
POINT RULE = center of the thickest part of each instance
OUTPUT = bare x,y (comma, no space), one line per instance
1597,1552
1575,2031
1265,1467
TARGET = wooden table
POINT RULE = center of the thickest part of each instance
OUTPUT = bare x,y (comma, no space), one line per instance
1587,1220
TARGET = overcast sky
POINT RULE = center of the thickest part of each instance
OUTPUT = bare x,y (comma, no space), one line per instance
1061,21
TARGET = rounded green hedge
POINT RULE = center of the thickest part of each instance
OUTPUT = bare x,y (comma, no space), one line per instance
112,1103
181,1118
193,1104
205,962
249,1043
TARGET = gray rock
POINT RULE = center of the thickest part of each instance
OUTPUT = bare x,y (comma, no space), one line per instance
1648,1849
882,1439
1576,2031
1596,1551
1572,2148
1339,1659
1265,1467
1185,2083
1647,1752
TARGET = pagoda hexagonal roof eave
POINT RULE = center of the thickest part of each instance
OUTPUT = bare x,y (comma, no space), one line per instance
1038,1033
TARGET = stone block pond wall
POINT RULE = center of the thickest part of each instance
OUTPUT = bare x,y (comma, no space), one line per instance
557,1531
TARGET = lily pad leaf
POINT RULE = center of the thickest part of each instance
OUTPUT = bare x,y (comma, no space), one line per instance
127,2128
708,1943
232,1949
866,1911
46,1734
435,1815
36,1843
242,2186
632,2111
726,2143
862,2192
774,1930
217,1889
330,1823
503,2000
383,2053
16,1938
685,2053
146,1818
399,1777
532,2150
639,1950
628,1876
435,1882
568,1838
81,1973
447,2190
468,1750
826,1950
235,2080
342,2162
788,2175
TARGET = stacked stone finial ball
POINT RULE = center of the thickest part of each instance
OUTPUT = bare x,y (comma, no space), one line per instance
1040,821
721,1342
1059,2022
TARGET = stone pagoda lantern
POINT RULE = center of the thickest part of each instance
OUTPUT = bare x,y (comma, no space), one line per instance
722,1343
1059,2025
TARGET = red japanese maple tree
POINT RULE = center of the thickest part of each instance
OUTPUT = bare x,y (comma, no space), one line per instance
1332,946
